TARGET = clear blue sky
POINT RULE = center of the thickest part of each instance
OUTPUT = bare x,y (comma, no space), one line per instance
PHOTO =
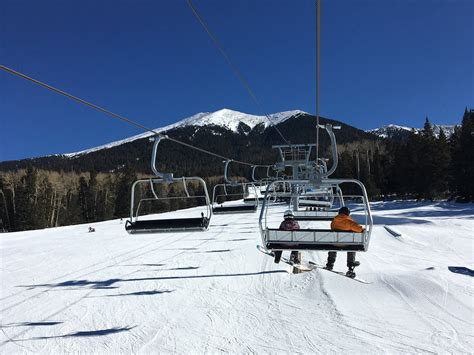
387,61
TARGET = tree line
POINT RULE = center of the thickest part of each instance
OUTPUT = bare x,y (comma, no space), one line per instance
35,199
422,167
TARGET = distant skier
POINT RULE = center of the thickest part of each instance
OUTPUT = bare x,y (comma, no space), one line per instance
289,224
91,229
343,223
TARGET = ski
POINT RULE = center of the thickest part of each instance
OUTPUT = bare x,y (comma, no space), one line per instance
310,266
301,267
319,266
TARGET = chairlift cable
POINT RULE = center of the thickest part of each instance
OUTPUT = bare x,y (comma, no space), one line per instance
114,115
234,67
318,30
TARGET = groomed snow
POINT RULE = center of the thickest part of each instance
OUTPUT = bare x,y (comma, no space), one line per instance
65,290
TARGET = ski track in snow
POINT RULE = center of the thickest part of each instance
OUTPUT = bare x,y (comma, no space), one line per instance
66,290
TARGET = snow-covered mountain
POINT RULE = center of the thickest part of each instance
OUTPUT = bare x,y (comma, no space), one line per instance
395,131
225,118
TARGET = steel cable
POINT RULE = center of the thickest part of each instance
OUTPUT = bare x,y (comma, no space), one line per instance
234,67
114,115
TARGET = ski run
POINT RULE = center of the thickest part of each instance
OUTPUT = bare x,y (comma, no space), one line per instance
65,290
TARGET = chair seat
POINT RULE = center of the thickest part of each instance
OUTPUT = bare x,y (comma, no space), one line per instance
315,239
234,209
167,225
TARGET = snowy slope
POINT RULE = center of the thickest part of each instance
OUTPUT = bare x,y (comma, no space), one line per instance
65,290
392,130
225,118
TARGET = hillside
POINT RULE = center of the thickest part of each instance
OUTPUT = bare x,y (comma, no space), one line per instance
230,133
65,290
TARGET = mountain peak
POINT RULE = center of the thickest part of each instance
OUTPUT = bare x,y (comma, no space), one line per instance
231,119
224,117
400,132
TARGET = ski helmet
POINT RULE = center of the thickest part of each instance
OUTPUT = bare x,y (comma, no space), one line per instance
344,210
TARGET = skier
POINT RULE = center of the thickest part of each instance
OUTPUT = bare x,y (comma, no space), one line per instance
343,223
289,224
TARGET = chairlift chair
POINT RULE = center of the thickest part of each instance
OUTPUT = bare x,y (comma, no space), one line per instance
316,239
246,191
260,184
198,223
320,210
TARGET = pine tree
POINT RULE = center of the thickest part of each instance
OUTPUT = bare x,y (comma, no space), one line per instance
411,178
43,203
466,157
123,192
4,208
442,159
377,170
454,177
427,164
84,199
25,216
93,195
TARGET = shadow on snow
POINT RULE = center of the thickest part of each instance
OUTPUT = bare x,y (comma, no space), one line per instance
99,284
138,293
30,324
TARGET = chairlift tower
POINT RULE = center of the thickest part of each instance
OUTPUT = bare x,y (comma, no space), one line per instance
296,156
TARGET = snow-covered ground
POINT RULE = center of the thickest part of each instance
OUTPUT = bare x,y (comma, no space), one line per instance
67,290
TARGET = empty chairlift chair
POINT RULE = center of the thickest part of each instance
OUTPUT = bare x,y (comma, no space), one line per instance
311,212
260,185
157,189
223,194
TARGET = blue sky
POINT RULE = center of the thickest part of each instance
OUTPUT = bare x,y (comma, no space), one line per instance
389,61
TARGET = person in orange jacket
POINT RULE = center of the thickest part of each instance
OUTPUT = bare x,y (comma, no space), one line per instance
343,223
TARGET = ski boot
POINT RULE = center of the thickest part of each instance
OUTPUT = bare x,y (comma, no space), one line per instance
295,257
329,266
277,256
350,273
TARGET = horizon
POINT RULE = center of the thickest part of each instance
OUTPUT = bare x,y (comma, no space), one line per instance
170,126
153,63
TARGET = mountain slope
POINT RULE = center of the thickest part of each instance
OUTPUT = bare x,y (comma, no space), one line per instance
229,133
224,118
207,292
